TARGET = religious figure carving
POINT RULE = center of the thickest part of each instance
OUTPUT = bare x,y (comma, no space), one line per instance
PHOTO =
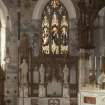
42,73
65,74
23,72
25,51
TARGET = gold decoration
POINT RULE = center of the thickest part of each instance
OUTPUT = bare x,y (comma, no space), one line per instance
55,3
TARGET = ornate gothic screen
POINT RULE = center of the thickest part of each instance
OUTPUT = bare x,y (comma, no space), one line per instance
55,28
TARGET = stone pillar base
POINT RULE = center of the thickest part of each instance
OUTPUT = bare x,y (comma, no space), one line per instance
66,90
24,101
41,91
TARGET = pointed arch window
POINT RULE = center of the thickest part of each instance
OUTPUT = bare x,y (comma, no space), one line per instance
55,28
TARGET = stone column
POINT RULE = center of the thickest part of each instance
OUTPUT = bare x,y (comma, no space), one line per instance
3,44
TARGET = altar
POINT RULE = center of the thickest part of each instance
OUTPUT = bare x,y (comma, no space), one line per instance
91,96
91,79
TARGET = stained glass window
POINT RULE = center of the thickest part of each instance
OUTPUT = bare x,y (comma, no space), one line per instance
55,28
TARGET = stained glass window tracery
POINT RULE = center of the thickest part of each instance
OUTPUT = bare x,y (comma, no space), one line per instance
55,28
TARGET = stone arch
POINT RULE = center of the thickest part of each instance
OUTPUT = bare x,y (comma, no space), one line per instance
68,4
3,20
38,10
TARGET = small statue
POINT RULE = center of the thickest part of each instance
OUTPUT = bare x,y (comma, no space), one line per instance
66,73
42,73
23,72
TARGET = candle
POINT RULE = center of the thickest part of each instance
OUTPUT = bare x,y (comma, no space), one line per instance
95,65
100,62
90,62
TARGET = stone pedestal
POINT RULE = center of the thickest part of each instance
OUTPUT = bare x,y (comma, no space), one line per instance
66,90
23,91
24,101
41,91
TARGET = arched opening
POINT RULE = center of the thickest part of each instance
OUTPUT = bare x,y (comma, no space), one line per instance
38,10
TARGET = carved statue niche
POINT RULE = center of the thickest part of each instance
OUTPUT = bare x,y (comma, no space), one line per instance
25,53
2,78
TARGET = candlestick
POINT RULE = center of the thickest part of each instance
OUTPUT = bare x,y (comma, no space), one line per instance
90,62
100,62
95,65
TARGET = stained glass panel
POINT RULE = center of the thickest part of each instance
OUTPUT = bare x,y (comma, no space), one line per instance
55,28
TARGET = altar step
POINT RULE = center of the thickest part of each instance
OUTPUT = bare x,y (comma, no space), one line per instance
44,101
